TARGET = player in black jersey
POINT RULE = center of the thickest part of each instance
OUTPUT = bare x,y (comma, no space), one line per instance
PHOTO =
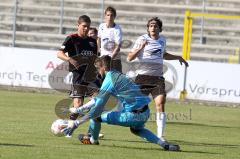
80,51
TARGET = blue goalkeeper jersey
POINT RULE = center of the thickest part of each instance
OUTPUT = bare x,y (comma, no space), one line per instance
124,89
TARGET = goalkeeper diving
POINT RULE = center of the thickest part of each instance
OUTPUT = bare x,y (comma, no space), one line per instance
134,113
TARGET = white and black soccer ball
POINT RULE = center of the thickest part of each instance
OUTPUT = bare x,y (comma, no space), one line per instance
58,125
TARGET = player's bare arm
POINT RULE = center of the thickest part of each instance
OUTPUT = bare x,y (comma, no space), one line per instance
61,55
98,44
116,51
168,56
132,55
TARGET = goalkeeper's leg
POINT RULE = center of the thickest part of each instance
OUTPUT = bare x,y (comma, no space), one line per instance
94,129
150,137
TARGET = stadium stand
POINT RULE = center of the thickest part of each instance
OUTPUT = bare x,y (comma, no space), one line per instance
38,23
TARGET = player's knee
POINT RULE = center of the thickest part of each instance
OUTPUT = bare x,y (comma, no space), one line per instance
98,119
160,105
77,102
134,131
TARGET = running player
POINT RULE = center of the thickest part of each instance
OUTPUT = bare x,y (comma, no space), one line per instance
149,51
80,51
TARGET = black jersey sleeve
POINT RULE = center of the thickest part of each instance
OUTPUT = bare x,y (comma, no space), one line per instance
67,45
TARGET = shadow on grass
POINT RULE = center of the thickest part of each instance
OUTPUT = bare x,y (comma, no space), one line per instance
158,149
21,145
180,142
205,144
133,147
197,124
200,152
145,148
133,141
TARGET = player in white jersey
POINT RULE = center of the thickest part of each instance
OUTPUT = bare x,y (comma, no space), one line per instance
150,51
110,38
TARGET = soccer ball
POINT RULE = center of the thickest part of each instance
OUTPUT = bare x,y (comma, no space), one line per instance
57,127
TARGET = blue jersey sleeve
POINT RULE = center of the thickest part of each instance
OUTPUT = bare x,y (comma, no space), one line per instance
104,94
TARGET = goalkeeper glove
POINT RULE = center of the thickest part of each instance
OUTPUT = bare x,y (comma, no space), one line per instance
68,131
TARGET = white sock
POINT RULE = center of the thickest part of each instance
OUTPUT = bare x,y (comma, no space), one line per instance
92,140
162,142
161,123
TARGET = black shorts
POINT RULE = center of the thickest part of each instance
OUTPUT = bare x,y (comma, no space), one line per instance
153,85
80,89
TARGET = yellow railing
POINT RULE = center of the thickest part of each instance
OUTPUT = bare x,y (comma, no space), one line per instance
188,21
187,40
236,57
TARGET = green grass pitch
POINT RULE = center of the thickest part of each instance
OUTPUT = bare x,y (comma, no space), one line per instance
203,132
